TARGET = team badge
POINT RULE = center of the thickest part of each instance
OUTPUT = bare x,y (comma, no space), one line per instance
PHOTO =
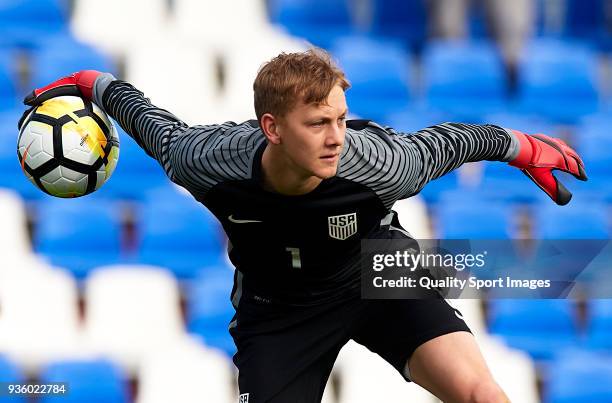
342,226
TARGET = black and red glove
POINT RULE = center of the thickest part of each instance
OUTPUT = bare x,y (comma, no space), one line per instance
539,154
86,84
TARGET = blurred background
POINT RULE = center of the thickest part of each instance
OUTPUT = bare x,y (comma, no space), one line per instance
125,293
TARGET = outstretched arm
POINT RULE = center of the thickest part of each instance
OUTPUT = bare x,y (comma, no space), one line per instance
398,165
187,154
444,147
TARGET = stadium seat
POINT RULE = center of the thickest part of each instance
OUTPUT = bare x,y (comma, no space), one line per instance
465,79
8,69
186,373
402,20
539,327
380,85
249,26
50,296
24,22
92,381
586,19
241,67
558,80
599,326
62,55
319,21
507,184
513,370
577,220
434,189
578,376
185,240
412,215
138,23
10,372
366,378
14,237
131,311
148,66
209,310
79,234
472,218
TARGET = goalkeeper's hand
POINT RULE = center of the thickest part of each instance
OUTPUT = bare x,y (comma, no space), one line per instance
87,84
539,154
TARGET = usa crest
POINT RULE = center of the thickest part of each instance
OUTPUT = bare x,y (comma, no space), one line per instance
342,226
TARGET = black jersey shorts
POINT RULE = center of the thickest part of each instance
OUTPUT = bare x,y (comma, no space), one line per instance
285,354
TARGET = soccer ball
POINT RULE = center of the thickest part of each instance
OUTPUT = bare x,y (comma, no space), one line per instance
68,147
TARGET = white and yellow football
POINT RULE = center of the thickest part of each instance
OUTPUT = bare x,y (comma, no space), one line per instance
68,147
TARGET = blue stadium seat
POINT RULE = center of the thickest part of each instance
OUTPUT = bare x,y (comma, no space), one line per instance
586,19
599,324
466,79
558,80
319,21
62,55
577,377
400,19
136,172
540,327
434,189
24,22
465,217
8,91
178,233
88,381
379,85
505,183
79,234
209,310
574,221
10,372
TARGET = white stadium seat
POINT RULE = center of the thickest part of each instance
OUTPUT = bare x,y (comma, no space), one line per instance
186,372
14,240
241,67
221,24
412,214
116,25
366,378
39,319
513,370
177,76
130,312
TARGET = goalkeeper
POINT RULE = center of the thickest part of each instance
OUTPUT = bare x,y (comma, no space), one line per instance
296,191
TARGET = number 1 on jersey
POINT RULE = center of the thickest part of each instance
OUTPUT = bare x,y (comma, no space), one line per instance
296,260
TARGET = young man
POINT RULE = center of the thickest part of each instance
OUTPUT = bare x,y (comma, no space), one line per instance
296,191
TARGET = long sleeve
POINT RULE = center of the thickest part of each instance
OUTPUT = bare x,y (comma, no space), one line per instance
196,157
397,165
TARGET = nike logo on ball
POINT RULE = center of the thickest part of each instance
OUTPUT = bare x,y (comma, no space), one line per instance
237,221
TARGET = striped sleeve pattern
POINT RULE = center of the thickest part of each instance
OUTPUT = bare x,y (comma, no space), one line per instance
397,165
195,157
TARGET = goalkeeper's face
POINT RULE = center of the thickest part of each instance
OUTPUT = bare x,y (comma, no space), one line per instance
312,135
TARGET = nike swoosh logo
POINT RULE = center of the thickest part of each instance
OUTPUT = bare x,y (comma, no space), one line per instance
237,221
25,155
457,314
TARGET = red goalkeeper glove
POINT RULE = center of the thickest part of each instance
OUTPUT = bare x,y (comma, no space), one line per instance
80,84
539,155
87,84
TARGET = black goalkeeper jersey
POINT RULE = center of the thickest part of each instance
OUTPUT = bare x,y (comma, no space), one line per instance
305,249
